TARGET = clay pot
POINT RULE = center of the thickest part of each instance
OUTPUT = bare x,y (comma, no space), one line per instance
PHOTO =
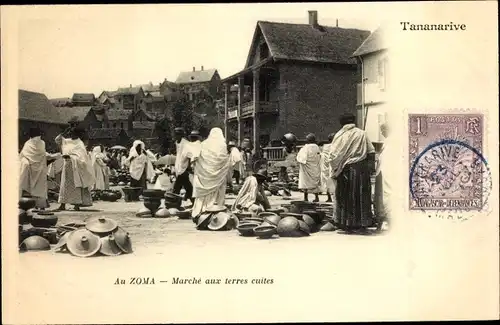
287,225
83,243
152,203
289,138
163,213
101,225
265,232
273,219
153,193
144,213
122,240
184,214
109,246
310,222
34,243
247,229
131,194
44,219
24,217
26,203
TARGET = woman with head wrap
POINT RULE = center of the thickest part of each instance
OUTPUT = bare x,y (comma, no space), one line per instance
99,167
308,158
140,164
78,175
327,183
33,173
211,166
351,158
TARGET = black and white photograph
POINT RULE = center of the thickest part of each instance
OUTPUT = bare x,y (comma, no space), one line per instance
226,162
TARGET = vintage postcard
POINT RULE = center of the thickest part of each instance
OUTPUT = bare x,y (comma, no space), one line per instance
281,162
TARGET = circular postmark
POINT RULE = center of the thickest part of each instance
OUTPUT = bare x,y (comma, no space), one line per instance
450,175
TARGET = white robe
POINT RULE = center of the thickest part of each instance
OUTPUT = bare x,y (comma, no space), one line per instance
210,172
235,163
163,182
33,169
309,157
385,168
350,145
99,167
327,183
182,156
139,162
83,173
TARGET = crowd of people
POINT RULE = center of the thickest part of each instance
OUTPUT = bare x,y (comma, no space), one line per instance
204,168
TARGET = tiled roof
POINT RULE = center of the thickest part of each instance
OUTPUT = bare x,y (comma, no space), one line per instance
143,125
150,87
188,77
128,90
118,114
37,107
105,133
374,43
83,97
304,42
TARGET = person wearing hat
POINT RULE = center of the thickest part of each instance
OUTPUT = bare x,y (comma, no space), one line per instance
194,136
78,175
235,164
327,183
251,195
351,157
308,158
182,164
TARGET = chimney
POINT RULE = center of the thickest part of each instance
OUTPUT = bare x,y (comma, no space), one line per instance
194,69
130,85
201,68
337,23
313,18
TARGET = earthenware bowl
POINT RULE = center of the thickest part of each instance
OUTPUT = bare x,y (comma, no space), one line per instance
247,229
186,214
153,193
265,231
304,228
287,225
163,213
27,203
273,219
44,219
34,243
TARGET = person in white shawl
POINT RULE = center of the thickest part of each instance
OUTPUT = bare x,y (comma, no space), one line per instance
33,169
352,157
195,139
99,166
235,164
308,158
183,164
140,162
251,196
327,183
383,186
78,175
211,165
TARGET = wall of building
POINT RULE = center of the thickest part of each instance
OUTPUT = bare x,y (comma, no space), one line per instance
313,97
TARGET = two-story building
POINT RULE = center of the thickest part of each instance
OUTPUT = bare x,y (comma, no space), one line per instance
118,119
129,98
79,99
169,90
155,106
297,78
373,85
192,83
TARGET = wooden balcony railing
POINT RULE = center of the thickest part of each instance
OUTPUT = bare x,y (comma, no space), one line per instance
248,108
275,153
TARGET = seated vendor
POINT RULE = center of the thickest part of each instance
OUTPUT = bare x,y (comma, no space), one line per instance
251,196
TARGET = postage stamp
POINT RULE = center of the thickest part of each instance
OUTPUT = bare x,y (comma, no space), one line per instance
447,167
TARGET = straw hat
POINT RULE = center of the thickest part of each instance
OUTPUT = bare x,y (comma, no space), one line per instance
83,243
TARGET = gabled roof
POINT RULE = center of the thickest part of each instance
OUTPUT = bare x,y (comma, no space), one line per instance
303,42
373,43
128,91
76,113
170,84
118,114
106,133
106,94
150,87
83,97
188,77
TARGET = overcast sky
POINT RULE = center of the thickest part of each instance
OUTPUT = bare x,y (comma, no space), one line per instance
68,49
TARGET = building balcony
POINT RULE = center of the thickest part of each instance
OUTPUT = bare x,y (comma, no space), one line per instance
248,109
374,94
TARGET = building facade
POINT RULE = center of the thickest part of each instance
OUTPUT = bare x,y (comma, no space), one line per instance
80,99
193,83
129,98
298,78
373,86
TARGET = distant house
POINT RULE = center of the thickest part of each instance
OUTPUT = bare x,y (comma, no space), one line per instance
59,102
192,82
83,99
129,98
373,84
150,89
85,116
108,137
105,96
298,78
36,110
169,90
154,105
118,119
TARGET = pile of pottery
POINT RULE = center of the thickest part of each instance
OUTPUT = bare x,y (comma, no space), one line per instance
99,235
322,213
37,229
264,225
216,218
106,195
121,178
152,205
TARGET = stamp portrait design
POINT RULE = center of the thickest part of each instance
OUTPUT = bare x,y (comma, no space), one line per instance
447,166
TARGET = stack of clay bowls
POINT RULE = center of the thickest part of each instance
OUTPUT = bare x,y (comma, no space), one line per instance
173,200
99,236
216,218
35,223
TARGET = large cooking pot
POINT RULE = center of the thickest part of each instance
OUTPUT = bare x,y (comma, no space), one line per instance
153,193
287,226
44,219
34,243
24,217
131,194
27,203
